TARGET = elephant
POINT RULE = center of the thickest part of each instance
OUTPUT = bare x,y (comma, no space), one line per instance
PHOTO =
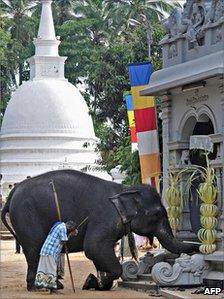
112,209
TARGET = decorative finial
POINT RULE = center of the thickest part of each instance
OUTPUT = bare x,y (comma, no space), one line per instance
46,63
46,27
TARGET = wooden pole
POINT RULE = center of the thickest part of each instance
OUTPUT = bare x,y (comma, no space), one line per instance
60,219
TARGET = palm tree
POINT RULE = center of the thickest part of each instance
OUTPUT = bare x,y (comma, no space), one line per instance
18,11
138,12
92,10
63,10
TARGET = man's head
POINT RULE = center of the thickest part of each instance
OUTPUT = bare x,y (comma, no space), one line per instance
71,227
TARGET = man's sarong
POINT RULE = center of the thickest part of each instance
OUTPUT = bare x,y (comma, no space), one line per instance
61,265
46,273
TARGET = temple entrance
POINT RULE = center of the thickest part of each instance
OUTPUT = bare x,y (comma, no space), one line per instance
202,127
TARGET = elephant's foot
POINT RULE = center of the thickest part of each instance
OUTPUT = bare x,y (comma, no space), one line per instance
100,283
91,283
104,280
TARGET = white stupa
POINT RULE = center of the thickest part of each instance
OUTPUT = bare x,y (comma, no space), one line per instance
46,125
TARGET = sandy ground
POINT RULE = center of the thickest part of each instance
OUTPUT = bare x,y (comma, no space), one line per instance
13,278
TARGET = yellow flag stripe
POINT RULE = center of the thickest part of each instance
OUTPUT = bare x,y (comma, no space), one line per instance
131,118
141,102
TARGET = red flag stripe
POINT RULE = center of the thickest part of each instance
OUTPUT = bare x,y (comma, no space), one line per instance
145,119
133,134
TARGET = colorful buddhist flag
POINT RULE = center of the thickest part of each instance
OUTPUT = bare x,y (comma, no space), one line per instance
145,123
131,120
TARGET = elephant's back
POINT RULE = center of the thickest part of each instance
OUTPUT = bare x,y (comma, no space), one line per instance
79,195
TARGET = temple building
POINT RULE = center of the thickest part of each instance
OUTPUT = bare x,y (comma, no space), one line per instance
46,125
191,88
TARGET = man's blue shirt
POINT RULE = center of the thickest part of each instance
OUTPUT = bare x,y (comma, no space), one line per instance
52,245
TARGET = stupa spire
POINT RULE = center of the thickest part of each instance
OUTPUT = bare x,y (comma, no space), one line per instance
46,63
46,27
46,43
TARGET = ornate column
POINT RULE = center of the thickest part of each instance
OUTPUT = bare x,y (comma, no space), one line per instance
221,90
166,119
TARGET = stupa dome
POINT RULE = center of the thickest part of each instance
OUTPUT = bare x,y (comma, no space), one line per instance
47,125
48,106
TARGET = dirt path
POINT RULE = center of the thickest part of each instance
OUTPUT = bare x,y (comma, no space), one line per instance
13,276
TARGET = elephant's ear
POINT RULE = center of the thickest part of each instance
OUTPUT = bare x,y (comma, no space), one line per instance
127,203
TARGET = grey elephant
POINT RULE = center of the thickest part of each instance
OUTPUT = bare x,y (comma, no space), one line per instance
112,209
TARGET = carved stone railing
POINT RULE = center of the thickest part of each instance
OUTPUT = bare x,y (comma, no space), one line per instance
194,31
187,270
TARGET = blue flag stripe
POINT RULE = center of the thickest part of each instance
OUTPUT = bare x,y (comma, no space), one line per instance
129,102
140,73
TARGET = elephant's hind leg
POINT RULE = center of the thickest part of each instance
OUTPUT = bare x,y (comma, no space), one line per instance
108,267
32,258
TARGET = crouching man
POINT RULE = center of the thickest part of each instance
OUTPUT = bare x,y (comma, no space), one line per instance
46,276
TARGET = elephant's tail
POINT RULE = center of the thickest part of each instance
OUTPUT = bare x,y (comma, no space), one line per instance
5,210
132,246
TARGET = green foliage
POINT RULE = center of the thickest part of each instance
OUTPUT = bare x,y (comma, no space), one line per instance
117,151
108,142
77,47
123,14
129,161
16,34
158,32
100,42
7,62
107,78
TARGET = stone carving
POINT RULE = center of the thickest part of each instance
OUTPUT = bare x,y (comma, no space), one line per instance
185,159
130,270
172,159
196,98
216,13
191,22
172,24
185,16
221,88
172,51
148,261
194,24
201,142
187,270
218,36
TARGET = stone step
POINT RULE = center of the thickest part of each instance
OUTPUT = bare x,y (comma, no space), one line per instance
140,285
168,294
145,277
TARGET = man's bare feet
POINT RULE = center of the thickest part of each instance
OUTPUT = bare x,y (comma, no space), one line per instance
55,291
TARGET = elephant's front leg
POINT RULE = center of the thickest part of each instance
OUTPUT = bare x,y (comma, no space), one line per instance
102,253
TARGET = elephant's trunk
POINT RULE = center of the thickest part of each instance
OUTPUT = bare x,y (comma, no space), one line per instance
167,240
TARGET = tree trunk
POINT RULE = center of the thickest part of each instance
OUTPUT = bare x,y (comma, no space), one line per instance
20,74
149,36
